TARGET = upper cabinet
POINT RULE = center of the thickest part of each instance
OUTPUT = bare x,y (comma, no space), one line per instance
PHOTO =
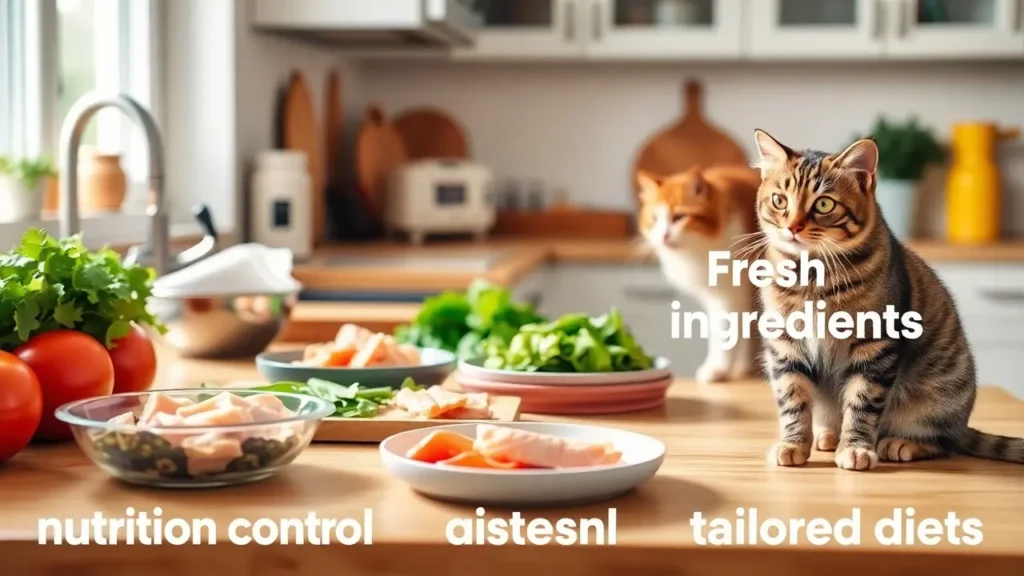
655,29
547,29
958,28
816,29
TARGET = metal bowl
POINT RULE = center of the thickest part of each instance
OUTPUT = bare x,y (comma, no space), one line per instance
222,326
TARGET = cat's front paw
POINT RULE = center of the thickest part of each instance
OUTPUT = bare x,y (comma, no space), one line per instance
854,458
788,454
826,440
709,373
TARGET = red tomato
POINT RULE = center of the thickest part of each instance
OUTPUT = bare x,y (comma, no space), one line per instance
70,366
21,405
134,361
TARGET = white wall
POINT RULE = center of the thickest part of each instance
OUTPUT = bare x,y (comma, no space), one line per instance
580,125
221,82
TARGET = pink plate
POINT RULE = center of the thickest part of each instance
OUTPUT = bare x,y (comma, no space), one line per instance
604,399
582,409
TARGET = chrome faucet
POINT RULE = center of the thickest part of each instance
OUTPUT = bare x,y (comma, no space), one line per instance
156,252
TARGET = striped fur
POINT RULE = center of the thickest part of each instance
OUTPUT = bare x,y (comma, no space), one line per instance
876,398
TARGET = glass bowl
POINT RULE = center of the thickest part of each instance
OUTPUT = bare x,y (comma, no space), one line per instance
166,458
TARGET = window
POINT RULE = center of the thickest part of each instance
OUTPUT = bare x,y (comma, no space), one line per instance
54,51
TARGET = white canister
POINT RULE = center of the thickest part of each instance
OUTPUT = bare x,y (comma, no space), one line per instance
281,202
19,203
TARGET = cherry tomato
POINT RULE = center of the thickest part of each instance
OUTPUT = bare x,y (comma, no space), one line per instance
70,366
134,360
21,405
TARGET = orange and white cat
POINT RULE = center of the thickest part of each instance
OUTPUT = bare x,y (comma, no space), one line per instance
685,216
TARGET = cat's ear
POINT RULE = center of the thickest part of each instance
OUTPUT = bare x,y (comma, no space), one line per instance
861,156
771,150
649,184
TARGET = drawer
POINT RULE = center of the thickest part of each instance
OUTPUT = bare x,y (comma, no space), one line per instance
986,290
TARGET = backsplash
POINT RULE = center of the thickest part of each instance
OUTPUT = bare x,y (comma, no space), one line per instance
579,127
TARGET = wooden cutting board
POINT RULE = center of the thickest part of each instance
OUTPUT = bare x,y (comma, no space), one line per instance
503,408
429,133
300,133
379,150
334,132
691,141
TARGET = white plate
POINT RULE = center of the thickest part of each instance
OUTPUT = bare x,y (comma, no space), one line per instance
641,458
474,369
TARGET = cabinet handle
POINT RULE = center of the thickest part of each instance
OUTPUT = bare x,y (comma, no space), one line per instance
879,20
1004,296
570,21
664,295
598,27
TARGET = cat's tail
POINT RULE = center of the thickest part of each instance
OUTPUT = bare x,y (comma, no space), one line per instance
993,446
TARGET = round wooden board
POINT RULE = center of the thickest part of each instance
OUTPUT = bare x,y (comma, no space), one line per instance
431,133
690,142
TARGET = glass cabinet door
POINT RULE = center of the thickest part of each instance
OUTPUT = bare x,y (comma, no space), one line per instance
665,28
816,28
958,28
542,28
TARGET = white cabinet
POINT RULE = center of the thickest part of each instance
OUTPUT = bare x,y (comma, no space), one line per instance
548,29
665,29
607,29
812,29
958,28
890,29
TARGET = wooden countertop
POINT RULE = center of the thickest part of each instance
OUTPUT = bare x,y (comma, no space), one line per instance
716,438
520,257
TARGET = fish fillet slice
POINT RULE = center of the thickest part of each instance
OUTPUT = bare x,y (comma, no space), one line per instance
523,446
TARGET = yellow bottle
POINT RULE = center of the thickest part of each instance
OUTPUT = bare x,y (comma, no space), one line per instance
974,195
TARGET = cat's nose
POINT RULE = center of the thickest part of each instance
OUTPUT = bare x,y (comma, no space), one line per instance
795,229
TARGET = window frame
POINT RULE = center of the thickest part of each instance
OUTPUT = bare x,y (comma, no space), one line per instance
30,68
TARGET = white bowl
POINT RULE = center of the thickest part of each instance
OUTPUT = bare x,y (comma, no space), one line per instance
641,458
474,369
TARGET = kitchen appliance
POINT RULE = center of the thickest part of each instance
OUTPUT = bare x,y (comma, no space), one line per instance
377,24
440,197
974,202
280,204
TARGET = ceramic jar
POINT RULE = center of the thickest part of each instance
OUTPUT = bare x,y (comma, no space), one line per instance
281,202
102,183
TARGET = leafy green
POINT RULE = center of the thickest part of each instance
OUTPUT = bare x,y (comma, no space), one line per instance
352,401
47,284
28,172
468,323
905,149
572,343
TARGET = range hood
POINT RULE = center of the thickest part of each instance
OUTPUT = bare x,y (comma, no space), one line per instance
369,24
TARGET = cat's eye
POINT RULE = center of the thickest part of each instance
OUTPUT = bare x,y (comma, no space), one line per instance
824,205
677,216
779,201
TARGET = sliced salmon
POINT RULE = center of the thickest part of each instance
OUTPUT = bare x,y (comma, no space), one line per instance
372,353
417,403
467,413
440,445
543,450
477,460
446,400
352,335
161,404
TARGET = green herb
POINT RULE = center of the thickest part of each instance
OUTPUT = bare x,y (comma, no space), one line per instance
572,343
352,401
28,172
48,284
468,323
905,150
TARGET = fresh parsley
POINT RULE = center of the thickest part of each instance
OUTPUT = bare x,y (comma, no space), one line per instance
49,284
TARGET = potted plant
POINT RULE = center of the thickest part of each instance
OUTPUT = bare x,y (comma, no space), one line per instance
904,152
21,187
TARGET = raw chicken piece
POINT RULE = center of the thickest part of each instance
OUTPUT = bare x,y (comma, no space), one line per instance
525,447
220,417
373,353
265,407
127,419
415,402
222,400
477,408
210,453
161,404
446,400
165,420
352,336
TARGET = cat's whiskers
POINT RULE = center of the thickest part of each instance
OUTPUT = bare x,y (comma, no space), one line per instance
839,253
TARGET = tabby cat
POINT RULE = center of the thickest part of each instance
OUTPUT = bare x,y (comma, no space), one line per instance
687,215
866,399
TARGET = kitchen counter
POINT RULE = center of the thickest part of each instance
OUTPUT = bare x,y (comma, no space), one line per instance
716,438
520,257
